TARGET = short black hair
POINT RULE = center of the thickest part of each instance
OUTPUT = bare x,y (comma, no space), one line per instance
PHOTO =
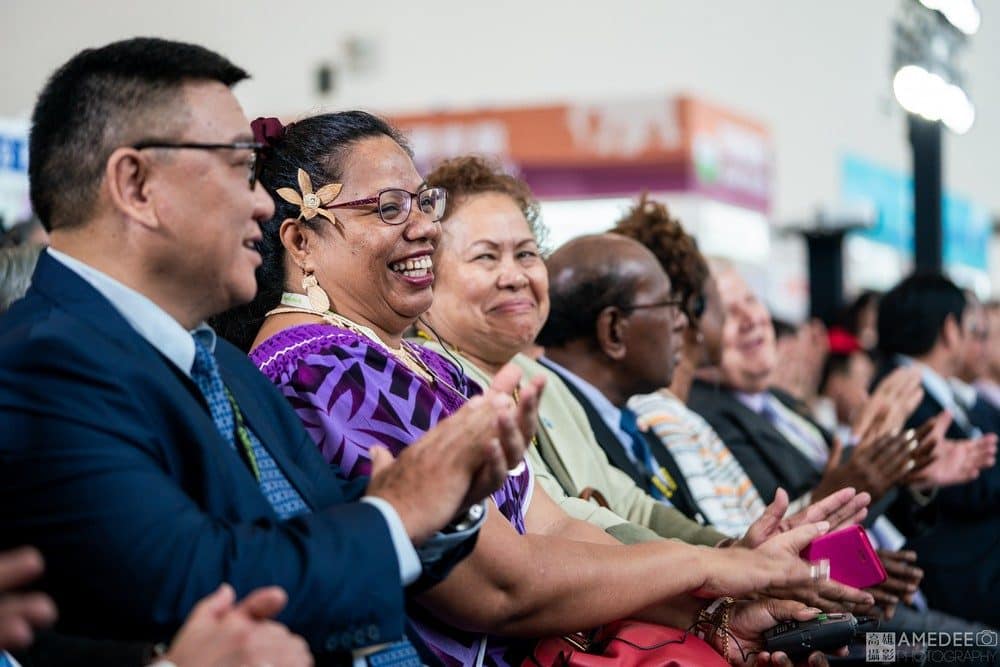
102,99
911,314
850,316
577,302
319,145
837,363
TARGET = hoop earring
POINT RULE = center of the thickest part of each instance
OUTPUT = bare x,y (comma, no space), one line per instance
318,298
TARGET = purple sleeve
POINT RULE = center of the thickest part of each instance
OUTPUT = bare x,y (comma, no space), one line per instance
351,398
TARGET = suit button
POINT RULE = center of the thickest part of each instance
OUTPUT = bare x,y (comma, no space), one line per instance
332,642
359,637
373,633
347,640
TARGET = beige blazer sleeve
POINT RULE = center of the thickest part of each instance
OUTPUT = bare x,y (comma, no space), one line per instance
567,459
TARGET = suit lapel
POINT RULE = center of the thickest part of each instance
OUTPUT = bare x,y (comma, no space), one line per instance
792,467
605,438
681,498
77,297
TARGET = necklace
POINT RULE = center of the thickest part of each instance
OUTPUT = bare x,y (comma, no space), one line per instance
452,348
299,303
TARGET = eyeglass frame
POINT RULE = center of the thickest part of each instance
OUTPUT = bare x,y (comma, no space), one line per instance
368,201
676,302
255,166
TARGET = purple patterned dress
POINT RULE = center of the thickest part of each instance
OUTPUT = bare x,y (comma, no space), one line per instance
350,393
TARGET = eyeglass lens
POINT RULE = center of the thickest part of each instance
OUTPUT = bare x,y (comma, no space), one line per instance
394,205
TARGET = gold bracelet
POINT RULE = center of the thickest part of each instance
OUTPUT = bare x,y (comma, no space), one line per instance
716,617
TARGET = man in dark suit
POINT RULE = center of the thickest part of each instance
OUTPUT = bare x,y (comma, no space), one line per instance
149,461
613,332
923,322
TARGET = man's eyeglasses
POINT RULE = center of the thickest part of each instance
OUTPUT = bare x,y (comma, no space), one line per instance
979,333
675,302
393,205
254,163
697,306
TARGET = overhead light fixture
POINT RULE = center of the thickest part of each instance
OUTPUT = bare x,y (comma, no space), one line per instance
929,95
963,14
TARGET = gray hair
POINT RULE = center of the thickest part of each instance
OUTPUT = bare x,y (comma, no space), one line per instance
16,266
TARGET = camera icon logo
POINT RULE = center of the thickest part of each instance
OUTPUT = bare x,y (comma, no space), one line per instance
986,638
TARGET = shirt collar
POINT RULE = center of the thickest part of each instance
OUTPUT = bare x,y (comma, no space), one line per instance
964,393
606,409
755,402
934,384
150,321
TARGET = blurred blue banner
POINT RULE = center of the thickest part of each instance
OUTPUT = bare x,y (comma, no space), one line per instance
890,193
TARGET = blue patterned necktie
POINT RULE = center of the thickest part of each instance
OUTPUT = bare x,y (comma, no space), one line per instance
229,421
658,482
283,497
5,660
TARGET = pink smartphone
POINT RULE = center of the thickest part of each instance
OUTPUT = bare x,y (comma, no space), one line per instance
853,560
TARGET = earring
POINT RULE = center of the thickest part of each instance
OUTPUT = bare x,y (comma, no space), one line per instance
318,298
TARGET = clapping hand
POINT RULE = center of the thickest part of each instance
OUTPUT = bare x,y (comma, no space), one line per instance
220,632
460,461
843,508
890,405
955,461
903,579
877,466
20,613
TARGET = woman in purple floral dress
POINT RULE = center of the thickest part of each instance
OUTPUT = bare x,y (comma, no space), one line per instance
347,270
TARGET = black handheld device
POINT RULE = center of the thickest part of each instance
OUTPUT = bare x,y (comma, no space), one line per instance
826,632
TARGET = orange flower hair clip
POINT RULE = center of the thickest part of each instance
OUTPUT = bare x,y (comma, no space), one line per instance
311,203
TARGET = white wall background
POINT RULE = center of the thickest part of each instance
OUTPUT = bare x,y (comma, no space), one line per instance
817,72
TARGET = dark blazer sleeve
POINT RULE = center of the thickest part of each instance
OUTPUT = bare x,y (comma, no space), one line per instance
766,456
122,516
51,649
742,446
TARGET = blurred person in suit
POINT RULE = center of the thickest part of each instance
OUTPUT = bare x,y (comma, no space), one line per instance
988,385
925,323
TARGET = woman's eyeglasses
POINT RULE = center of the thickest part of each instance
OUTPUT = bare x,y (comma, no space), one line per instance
393,205
254,162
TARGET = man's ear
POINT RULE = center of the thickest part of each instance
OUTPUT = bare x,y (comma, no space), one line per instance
126,177
951,331
610,329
